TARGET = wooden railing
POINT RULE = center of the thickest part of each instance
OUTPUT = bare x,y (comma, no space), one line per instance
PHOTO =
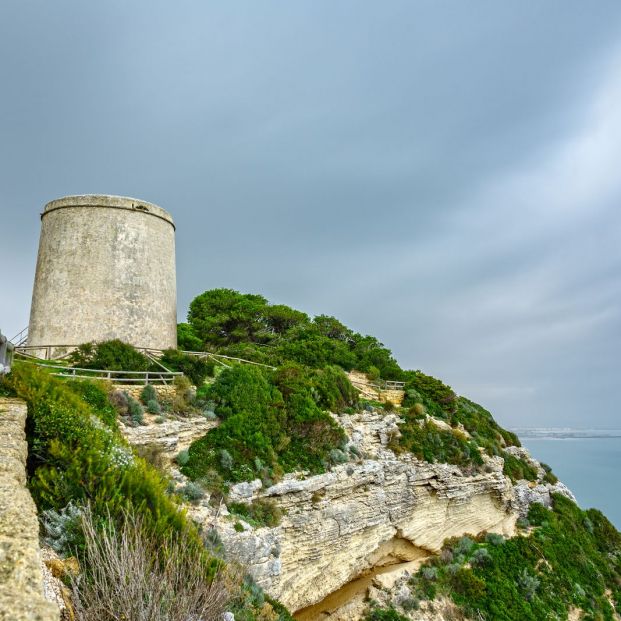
218,358
390,385
20,338
46,352
59,352
117,377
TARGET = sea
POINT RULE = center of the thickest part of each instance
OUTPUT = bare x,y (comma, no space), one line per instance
588,461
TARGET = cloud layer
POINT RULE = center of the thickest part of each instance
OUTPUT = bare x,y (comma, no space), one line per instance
441,176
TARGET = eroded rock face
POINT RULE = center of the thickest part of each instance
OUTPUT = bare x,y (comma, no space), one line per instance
363,527
526,493
171,436
377,510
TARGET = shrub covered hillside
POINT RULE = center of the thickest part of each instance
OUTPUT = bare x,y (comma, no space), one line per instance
278,421
114,511
570,560
248,326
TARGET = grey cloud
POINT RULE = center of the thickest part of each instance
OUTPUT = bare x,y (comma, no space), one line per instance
441,175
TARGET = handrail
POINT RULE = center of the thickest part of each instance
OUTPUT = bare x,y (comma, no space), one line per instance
150,352
119,377
386,385
209,354
110,372
21,337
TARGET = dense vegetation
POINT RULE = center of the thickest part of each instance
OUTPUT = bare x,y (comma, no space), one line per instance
275,422
572,558
79,464
248,326
272,422
472,428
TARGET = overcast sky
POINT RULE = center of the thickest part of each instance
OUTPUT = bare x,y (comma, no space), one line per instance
442,175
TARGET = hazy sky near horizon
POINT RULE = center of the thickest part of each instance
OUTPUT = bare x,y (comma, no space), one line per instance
442,175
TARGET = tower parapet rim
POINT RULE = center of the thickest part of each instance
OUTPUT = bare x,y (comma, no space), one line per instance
108,201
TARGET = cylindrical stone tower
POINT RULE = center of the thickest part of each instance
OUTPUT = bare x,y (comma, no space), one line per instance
105,270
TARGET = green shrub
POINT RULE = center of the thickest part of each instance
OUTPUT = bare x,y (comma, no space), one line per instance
135,412
534,577
75,458
148,393
192,492
549,477
183,457
96,394
187,339
114,355
430,443
153,407
241,325
261,512
62,529
516,468
494,539
197,369
384,614
270,417
437,397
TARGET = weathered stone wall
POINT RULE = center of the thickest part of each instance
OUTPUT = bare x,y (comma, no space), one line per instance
164,392
21,581
105,269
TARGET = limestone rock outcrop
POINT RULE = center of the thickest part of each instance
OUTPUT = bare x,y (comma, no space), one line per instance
375,511
363,527
171,436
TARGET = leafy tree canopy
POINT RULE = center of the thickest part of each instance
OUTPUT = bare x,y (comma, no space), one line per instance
248,326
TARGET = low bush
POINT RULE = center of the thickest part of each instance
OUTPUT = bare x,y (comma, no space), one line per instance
517,469
197,369
148,393
74,457
384,614
130,574
153,407
192,492
114,355
261,512
534,577
271,423
135,412
430,443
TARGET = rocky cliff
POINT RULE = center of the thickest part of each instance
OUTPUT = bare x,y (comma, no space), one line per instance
344,530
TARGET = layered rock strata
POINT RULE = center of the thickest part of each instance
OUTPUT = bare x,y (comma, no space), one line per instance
376,511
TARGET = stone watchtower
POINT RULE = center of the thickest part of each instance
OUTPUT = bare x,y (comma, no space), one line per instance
105,270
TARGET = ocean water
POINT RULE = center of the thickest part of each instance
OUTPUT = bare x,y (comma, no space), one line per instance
588,462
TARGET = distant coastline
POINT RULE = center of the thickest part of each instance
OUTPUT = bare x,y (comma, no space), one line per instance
562,433
587,460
